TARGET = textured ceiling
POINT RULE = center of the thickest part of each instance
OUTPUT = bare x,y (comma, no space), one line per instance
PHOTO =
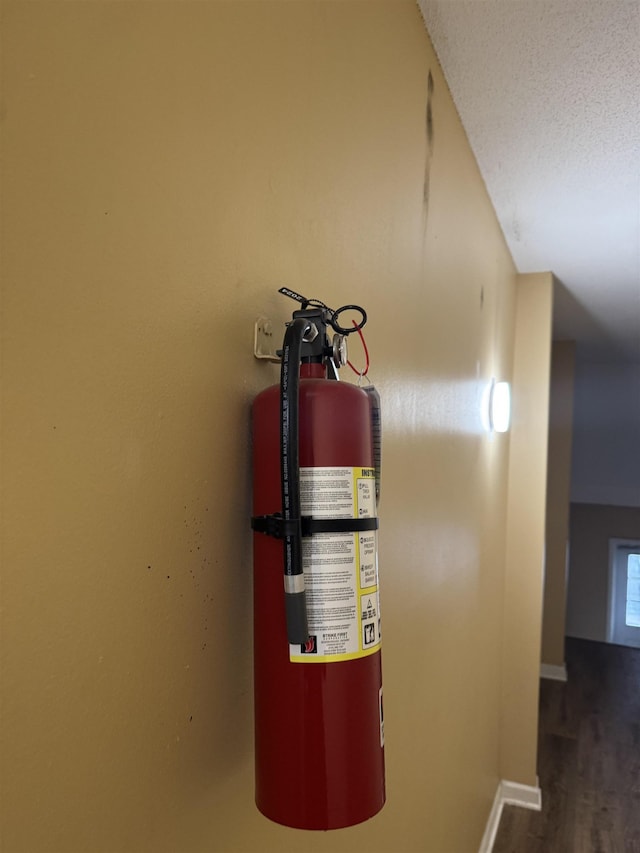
549,94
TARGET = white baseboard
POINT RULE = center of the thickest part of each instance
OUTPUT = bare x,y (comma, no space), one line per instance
512,794
554,672
525,796
493,822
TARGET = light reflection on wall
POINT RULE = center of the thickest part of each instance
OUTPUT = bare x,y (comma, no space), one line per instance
433,406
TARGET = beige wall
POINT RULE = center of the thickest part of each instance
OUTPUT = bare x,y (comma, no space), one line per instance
526,528
558,498
592,525
167,166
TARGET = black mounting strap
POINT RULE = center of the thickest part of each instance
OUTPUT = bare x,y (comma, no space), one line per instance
275,525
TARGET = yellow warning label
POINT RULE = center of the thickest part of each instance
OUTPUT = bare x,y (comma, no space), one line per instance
340,569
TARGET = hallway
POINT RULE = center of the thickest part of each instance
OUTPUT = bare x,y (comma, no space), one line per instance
588,759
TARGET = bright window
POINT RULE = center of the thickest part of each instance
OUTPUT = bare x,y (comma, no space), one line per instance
633,591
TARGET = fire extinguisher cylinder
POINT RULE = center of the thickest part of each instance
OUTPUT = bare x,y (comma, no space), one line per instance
319,722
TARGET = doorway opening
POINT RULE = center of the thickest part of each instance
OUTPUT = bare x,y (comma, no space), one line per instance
623,615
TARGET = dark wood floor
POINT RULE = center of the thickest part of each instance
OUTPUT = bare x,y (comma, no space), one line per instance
588,759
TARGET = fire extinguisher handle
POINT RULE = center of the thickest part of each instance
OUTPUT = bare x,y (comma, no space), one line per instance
296,614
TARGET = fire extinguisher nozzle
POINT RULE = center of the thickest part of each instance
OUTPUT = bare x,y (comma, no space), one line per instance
296,612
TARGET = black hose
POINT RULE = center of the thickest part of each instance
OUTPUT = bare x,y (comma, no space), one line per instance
295,599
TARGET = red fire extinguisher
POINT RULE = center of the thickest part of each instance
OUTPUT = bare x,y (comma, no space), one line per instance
319,726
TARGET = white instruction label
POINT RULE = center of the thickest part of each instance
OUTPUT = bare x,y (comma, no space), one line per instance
340,569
